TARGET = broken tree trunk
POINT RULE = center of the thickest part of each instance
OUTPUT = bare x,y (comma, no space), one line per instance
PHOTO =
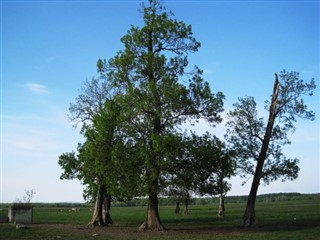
249,217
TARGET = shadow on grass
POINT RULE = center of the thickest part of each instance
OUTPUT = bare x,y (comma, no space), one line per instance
231,225
290,225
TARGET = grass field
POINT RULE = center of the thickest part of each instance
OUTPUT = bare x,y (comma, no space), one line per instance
298,219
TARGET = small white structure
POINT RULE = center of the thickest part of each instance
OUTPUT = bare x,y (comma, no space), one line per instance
20,214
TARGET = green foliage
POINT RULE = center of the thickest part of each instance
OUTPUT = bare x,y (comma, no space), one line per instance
93,164
202,166
246,130
215,164
132,113
291,104
69,163
154,100
97,111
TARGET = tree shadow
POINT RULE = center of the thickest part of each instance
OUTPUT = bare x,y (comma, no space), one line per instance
219,225
290,225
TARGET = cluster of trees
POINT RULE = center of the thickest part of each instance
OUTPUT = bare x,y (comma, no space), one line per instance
132,116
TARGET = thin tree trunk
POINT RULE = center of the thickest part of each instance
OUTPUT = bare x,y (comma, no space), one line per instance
186,204
249,217
152,221
221,210
177,211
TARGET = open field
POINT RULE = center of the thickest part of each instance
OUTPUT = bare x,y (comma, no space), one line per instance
295,219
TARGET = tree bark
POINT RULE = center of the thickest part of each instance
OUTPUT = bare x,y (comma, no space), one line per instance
101,214
221,206
249,217
106,209
152,221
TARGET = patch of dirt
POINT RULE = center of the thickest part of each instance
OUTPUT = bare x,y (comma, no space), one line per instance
74,231
117,231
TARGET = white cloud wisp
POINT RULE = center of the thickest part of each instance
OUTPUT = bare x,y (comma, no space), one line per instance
36,88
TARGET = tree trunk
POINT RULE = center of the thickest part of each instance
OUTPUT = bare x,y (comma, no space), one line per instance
152,221
101,214
186,204
106,209
249,217
221,206
177,211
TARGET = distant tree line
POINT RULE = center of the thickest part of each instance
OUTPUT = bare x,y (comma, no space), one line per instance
171,201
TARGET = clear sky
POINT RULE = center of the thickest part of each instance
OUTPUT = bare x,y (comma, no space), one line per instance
48,48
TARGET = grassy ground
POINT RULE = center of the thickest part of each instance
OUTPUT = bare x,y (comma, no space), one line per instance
299,219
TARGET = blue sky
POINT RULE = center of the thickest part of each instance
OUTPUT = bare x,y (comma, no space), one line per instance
48,48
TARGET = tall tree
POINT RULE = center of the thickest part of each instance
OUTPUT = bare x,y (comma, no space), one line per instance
151,73
91,109
258,144
93,164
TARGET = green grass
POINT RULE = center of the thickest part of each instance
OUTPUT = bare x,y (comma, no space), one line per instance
298,219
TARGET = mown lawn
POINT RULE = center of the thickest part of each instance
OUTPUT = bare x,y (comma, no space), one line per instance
299,219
